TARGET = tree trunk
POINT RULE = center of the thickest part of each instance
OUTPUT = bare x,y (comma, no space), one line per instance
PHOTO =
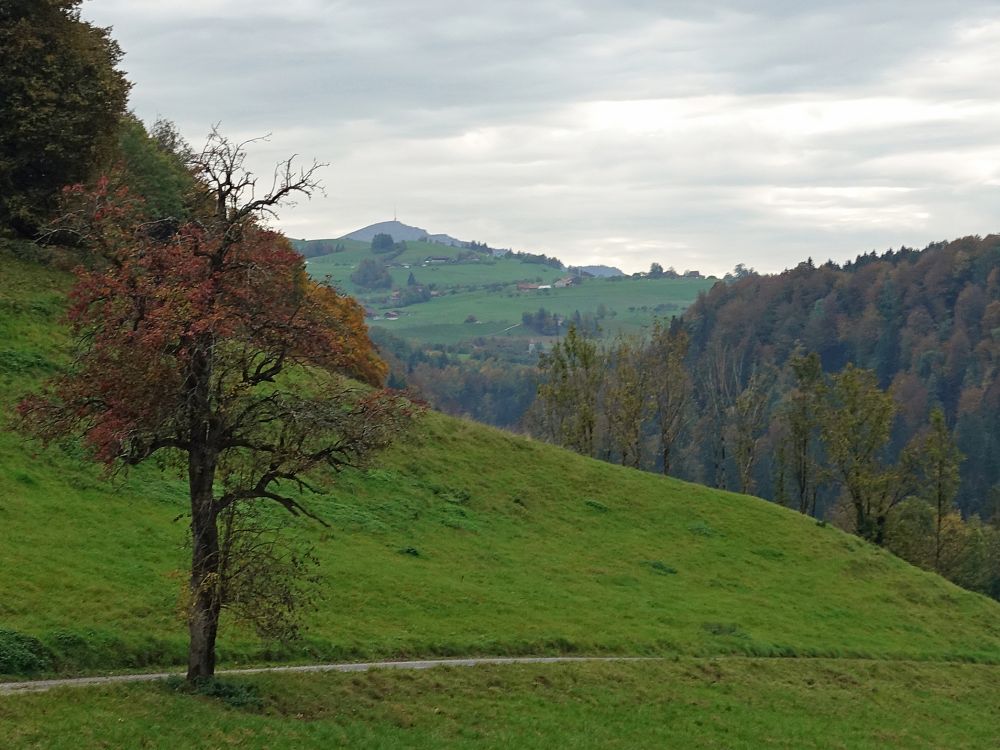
203,456
203,617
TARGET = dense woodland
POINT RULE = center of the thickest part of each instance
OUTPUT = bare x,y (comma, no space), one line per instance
926,323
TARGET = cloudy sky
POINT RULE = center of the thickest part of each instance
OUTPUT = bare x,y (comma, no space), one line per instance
695,134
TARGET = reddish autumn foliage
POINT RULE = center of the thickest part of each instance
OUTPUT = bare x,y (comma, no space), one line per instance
209,343
157,306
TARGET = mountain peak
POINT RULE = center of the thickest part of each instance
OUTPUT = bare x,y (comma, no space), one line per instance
401,232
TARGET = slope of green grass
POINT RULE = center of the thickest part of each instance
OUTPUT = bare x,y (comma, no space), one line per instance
632,302
690,703
632,305
465,540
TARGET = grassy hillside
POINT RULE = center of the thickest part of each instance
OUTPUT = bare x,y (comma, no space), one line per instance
464,540
487,290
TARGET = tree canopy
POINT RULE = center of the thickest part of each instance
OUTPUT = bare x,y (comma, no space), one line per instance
61,100
212,348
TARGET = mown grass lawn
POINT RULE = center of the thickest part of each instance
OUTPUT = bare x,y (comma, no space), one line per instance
689,703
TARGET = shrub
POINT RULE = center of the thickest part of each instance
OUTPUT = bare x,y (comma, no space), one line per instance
22,654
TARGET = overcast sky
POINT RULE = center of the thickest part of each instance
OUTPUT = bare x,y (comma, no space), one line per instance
695,134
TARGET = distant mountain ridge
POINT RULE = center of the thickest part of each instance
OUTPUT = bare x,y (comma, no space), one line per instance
599,271
401,232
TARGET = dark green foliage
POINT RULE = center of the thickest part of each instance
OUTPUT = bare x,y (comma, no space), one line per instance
18,362
382,243
22,654
543,322
154,165
61,100
596,505
700,528
372,274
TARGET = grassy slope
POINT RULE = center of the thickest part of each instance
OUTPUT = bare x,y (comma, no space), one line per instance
441,320
466,540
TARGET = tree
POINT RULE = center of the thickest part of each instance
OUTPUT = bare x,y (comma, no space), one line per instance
626,398
372,274
154,164
798,419
655,271
856,420
719,384
567,397
747,419
937,461
671,385
212,350
382,243
61,99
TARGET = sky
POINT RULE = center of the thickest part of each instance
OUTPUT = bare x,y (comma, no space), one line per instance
697,135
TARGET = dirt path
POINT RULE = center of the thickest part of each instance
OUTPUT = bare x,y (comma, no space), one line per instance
36,686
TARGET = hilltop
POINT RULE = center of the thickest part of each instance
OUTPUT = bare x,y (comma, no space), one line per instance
401,232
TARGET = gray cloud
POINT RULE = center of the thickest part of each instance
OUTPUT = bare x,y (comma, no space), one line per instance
693,134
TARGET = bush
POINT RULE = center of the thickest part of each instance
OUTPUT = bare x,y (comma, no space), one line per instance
22,654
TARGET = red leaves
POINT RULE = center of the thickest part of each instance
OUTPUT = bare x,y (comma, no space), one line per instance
157,307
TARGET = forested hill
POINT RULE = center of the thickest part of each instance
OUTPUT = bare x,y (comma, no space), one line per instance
927,322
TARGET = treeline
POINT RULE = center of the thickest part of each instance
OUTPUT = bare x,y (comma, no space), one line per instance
927,323
828,438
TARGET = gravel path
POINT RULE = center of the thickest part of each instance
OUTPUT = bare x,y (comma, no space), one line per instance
37,686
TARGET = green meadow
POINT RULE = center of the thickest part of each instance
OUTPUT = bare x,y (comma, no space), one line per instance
741,704
471,289
468,540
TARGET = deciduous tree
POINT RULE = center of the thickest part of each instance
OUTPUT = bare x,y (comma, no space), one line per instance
567,397
798,419
214,350
61,99
856,420
626,398
937,460
670,385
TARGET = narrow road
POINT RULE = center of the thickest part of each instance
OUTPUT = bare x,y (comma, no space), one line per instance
38,686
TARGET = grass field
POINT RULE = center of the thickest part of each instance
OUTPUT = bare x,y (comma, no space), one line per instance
632,306
690,703
632,303
467,540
